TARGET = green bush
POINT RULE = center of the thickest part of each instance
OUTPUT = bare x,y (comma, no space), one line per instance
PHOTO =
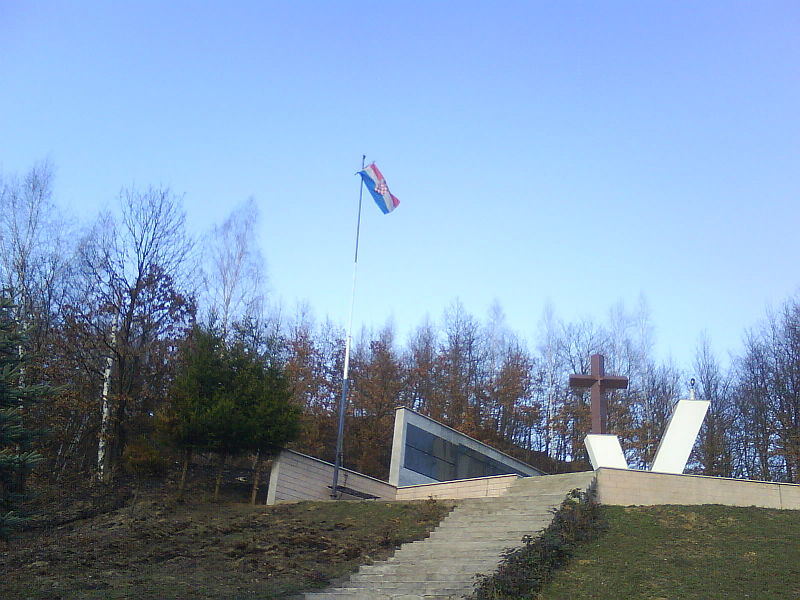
17,457
524,571
142,459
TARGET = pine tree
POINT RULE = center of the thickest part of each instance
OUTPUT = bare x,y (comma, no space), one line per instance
200,375
229,400
16,455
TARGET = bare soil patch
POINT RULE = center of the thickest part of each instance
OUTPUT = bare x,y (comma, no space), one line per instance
143,544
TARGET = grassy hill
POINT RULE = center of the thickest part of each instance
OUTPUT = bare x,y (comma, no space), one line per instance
687,553
157,549
145,545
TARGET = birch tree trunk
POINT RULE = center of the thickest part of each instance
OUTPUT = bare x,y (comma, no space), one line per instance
220,469
256,477
103,470
105,425
187,458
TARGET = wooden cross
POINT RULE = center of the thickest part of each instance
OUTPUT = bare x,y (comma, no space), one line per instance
599,382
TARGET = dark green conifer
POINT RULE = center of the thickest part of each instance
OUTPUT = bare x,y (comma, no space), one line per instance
17,457
229,399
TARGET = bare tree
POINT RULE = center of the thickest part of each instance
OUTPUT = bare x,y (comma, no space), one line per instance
315,355
421,359
767,397
461,357
34,256
577,342
378,378
714,450
235,272
133,302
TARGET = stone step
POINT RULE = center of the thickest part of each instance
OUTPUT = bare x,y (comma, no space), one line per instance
458,591
422,586
490,518
480,523
477,517
420,569
435,553
424,557
468,541
455,535
441,545
479,528
428,563
510,497
518,508
412,563
512,507
430,560
420,577
536,491
374,595
481,531
485,516
420,573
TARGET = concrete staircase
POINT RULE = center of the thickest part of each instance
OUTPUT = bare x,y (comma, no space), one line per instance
468,541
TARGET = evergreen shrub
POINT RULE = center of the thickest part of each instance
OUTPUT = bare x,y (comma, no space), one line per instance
524,571
142,459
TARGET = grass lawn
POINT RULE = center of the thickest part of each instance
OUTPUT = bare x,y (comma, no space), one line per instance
687,553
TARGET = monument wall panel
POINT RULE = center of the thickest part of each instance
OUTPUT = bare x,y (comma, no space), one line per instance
295,476
426,451
644,488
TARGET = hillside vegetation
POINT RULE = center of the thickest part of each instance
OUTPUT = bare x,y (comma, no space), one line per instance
156,549
686,553
143,544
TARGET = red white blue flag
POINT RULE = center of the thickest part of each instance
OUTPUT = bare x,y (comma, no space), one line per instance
376,185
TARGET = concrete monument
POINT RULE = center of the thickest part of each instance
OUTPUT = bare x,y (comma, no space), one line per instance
682,429
604,449
426,451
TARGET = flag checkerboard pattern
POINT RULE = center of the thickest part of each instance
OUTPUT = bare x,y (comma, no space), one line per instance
376,184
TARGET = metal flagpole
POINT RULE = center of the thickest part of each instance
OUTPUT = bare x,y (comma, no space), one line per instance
345,381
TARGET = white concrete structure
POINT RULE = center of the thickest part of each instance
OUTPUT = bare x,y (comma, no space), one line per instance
673,450
605,451
643,488
676,445
425,451
295,476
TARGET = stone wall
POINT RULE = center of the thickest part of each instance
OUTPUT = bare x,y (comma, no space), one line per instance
482,487
295,476
627,488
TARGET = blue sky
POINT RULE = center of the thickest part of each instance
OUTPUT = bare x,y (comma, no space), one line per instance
576,153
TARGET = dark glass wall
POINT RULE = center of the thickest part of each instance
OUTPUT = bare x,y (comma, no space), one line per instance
439,459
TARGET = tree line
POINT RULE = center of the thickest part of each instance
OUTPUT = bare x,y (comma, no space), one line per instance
480,377
108,309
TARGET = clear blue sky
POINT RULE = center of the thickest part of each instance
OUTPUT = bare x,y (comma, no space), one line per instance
577,153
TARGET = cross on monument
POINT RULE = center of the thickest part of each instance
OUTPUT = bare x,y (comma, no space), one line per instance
599,382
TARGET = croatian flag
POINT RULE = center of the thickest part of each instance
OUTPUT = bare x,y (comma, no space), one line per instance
376,185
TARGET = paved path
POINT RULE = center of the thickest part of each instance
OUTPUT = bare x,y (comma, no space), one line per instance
470,540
